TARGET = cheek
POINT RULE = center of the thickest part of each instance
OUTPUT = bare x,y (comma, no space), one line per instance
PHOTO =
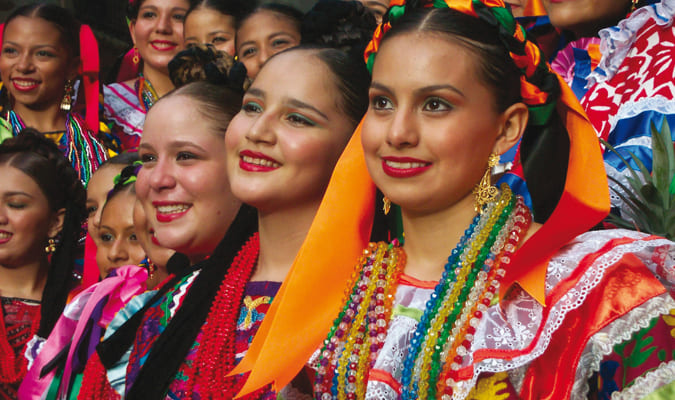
143,184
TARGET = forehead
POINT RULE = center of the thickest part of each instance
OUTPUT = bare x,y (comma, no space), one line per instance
118,211
427,59
297,73
208,19
165,4
32,30
164,126
264,22
13,179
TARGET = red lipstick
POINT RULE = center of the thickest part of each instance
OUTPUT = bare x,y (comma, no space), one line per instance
254,161
404,167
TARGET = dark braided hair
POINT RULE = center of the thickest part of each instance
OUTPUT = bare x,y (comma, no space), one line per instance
291,13
343,25
39,158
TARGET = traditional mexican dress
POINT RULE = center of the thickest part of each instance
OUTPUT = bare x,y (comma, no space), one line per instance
20,320
123,109
607,329
76,334
633,87
256,300
77,142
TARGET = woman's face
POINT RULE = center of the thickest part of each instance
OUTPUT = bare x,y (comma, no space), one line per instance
145,234
377,7
583,17
263,35
209,26
26,220
182,185
157,31
283,144
429,130
34,64
99,185
116,243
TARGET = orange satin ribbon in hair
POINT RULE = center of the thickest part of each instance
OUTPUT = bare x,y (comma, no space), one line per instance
534,8
310,297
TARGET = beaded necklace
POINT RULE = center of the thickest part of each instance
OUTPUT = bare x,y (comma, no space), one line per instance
13,365
84,152
216,352
443,336
147,95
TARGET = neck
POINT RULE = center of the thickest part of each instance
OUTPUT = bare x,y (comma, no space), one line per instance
160,81
26,281
429,238
282,233
46,119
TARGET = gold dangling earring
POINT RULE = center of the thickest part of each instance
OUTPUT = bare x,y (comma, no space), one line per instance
136,58
386,205
69,92
484,192
633,5
51,246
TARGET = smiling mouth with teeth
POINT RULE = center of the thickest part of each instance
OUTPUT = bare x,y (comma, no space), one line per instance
172,209
405,165
261,162
5,235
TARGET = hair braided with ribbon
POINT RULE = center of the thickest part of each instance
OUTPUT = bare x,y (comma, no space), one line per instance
545,141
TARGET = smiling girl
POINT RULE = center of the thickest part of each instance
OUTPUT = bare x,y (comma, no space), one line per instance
41,210
156,28
39,63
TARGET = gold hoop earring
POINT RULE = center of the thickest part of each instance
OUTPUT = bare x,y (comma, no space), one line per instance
51,246
386,205
68,94
485,192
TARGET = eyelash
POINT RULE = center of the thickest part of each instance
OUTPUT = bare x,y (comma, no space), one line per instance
442,105
300,120
91,210
107,237
248,51
16,206
379,107
147,158
184,155
251,107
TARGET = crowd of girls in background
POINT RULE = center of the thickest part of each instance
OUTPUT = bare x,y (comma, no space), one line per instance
245,157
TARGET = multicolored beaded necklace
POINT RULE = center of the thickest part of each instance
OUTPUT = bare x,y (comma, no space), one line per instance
147,95
85,153
442,340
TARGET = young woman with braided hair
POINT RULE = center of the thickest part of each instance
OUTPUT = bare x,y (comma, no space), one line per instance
45,50
41,212
482,297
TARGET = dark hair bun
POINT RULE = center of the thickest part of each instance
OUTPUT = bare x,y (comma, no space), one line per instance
342,25
203,62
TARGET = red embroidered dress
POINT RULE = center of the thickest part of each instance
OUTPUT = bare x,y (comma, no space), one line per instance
20,320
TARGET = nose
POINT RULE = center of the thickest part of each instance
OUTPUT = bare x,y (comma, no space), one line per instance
402,131
25,63
118,252
164,24
161,175
3,216
264,55
262,130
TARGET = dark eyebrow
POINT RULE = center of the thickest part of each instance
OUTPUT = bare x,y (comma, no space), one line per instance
432,88
17,193
256,92
299,104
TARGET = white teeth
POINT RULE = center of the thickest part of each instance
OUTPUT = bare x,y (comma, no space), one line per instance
162,45
25,84
261,162
404,165
5,235
174,208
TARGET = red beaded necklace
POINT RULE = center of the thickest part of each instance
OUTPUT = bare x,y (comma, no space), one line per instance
215,356
13,368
